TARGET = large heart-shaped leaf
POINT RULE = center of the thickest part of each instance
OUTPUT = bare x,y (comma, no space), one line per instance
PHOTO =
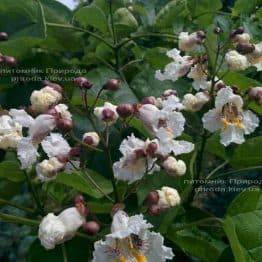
243,224
11,171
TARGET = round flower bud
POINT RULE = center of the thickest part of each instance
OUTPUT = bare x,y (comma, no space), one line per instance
75,151
10,61
106,113
112,84
79,199
219,85
63,158
168,197
125,110
44,98
91,138
241,38
239,30
3,36
149,100
152,198
169,92
201,35
64,125
83,82
174,167
245,48
218,30
236,61
154,210
91,228
255,94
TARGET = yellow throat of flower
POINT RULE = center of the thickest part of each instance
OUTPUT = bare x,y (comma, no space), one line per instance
138,257
231,115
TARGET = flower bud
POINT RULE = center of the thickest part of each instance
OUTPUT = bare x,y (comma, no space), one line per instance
63,158
152,198
245,48
174,167
154,210
112,84
3,36
75,151
125,110
149,100
168,197
236,61
219,85
201,35
64,125
108,115
255,94
91,138
169,92
240,30
83,82
91,228
79,199
10,61
218,30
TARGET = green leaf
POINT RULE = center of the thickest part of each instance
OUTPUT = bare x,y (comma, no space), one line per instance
145,84
157,57
248,154
80,182
243,225
172,14
240,80
22,18
92,15
244,7
11,171
203,11
214,146
197,243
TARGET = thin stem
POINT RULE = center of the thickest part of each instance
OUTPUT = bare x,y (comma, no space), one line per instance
141,35
217,169
130,63
112,21
81,30
34,194
17,220
93,182
12,204
97,97
64,252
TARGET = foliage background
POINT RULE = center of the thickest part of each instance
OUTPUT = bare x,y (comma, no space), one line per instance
37,41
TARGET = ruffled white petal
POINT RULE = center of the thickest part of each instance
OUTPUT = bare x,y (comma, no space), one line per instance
55,145
232,134
211,120
21,117
250,122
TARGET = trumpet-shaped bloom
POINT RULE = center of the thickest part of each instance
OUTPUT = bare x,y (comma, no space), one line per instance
131,240
228,117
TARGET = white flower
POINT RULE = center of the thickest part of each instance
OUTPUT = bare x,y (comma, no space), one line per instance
54,230
172,103
106,113
168,197
135,161
20,116
255,58
51,231
48,169
195,102
229,117
236,61
174,167
91,138
241,38
131,240
10,132
188,42
44,98
63,112
27,152
55,145
41,127
178,68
